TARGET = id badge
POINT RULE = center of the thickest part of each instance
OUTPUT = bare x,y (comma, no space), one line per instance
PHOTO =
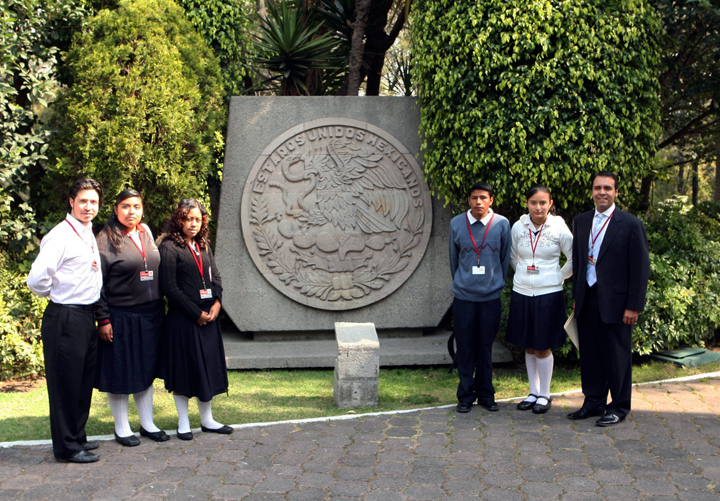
95,266
591,261
146,276
478,270
205,293
533,269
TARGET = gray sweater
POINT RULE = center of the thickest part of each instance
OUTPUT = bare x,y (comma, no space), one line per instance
494,256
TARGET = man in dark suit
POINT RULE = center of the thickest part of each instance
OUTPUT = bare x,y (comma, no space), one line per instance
611,265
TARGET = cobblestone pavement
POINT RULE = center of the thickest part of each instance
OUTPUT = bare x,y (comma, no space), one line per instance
668,448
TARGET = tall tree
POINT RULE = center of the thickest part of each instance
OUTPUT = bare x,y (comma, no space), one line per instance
518,93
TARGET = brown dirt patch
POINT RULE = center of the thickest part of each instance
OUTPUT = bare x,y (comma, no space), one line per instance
21,385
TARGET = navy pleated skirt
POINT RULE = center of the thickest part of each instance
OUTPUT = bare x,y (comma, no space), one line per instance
196,357
537,321
132,361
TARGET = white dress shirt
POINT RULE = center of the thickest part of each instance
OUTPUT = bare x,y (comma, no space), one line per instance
594,249
484,220
64,268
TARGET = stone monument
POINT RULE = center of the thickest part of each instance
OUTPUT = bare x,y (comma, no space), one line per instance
325,216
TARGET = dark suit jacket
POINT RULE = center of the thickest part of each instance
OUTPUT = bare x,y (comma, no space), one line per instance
623,265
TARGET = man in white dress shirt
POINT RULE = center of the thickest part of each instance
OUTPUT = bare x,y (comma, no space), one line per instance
67,270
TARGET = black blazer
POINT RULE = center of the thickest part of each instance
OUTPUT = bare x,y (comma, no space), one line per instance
180,279
623,265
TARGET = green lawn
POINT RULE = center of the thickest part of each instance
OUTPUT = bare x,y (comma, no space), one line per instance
277,395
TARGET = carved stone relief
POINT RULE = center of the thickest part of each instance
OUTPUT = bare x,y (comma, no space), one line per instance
336,214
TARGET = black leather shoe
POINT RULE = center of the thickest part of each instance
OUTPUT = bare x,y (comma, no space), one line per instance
541,408
223,430
157,436
129,441
464,407
82,457
91,445
609,420
185,436
489,405
526,404
582,413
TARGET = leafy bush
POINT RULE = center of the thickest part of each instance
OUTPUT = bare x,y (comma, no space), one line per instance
684,291
20,317
518,92
145,110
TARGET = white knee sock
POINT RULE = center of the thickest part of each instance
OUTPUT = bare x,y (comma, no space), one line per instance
144,404
206,417
119,408
532,371
181,404
545,370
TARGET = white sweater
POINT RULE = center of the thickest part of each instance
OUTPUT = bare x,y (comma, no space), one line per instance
555,238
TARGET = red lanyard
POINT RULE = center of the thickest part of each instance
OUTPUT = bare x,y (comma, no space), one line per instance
92,246
594,238
140,247
478,251
533,247
198,261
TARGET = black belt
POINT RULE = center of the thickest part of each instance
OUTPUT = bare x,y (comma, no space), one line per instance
84,307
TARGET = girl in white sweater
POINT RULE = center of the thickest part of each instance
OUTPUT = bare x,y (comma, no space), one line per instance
537,307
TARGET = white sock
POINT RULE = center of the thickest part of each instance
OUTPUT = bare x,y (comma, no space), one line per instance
144,404
532,371
119,408
545,370
206,417
181,404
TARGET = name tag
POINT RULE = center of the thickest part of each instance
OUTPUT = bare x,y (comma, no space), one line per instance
146,276
95,266
533,269
478,270
205,293
591,261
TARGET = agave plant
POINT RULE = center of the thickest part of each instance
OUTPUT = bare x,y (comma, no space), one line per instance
288,49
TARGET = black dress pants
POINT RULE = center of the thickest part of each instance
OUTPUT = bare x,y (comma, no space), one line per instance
476,324
69,344
605,359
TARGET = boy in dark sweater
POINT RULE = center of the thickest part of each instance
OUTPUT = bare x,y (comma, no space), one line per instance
479,259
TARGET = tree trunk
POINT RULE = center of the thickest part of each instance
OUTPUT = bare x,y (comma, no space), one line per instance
680,190
695,182
716,193
357,47
645,190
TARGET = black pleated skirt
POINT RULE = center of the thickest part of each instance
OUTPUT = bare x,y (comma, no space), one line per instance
537,321
132,361
196,357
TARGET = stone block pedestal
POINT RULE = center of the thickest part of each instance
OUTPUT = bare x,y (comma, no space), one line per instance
357,366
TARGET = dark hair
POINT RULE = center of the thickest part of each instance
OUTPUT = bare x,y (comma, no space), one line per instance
84,184
113,227
480,186
173,227
539,188
606,173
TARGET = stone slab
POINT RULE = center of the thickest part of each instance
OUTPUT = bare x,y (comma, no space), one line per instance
358,354
251,301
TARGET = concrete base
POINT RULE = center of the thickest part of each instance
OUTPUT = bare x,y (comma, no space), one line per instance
242,352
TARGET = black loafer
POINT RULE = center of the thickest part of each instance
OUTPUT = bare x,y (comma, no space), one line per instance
81,457
157,436
583,413
185,436
542,408
91,445
489,405
129,441
223,430
526,404
609,420
464,407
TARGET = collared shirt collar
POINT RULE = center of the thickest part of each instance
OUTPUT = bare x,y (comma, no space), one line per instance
607,212
77,224
526,220
484,220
